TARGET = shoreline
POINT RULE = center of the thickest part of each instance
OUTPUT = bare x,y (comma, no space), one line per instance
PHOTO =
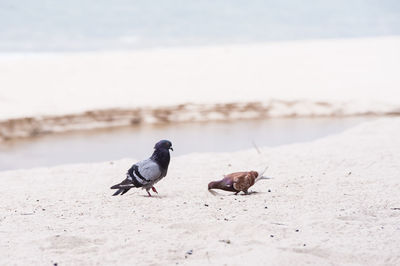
226,112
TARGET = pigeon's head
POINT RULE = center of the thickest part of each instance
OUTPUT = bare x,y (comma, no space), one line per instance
163,144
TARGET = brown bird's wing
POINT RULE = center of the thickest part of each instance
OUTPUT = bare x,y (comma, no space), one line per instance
235,175
242,180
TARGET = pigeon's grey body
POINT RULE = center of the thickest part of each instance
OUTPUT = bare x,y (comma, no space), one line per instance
148,172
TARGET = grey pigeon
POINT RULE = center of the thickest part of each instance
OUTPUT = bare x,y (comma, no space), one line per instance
146,173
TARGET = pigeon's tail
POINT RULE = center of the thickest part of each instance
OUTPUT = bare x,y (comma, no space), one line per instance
120,191
122,187
115,186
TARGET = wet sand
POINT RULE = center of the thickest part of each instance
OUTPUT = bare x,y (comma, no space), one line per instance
136,141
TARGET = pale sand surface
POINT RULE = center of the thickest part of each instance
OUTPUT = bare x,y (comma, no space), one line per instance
340,193
363,72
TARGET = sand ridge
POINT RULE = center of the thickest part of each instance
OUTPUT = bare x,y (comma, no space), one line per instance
108,118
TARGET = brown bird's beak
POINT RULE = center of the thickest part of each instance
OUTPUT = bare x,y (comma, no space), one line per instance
171,149
214,193
210,187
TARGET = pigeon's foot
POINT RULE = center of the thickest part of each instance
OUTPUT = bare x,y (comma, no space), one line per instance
154,189
148,193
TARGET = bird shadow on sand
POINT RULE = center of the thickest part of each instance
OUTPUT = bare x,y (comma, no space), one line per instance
153,196
134,195
215,193
248,194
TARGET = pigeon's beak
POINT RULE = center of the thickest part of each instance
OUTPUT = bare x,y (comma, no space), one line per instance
171,149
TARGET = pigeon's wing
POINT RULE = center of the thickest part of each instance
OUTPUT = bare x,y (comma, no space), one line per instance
242,181
149,170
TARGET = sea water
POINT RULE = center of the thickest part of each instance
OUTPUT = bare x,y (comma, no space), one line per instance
85,25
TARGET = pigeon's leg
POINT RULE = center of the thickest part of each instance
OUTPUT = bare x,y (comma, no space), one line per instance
148,192
237,192
154,189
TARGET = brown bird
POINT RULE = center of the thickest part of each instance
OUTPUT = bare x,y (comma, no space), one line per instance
238,181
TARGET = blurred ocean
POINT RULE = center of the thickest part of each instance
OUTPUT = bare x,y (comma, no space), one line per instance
87,25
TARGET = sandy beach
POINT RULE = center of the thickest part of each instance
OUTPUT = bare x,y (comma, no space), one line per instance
333,201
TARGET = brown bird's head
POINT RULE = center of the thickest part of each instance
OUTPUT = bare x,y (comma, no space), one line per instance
212,185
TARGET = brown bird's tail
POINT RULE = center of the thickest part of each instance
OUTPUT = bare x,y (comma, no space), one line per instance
261,175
